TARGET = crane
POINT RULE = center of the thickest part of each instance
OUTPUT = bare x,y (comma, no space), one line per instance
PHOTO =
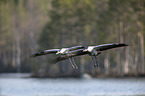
59,52
92,51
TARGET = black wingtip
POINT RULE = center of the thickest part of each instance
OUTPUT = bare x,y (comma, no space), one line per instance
123,44
37,54
33,56
120,44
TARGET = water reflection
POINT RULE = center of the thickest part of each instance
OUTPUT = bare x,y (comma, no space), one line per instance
72,87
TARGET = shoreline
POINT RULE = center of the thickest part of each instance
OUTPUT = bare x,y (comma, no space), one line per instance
85,75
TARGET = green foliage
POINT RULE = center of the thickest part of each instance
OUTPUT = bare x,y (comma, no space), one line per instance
91,22
71,25
28,25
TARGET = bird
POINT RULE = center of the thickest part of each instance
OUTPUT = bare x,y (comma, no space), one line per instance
59,52
92,51
70,54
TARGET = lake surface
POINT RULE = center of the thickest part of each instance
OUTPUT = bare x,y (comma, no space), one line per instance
17,86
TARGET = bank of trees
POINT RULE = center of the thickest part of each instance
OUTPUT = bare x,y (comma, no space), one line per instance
20,23
28,26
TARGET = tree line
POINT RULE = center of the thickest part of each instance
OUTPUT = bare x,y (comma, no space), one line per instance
29,26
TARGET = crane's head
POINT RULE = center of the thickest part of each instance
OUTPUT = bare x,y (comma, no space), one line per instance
62,51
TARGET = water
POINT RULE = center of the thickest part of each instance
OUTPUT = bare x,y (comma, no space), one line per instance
11,86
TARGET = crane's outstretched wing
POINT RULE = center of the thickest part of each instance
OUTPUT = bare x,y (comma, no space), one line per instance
52,51
75,48
109,46
70,54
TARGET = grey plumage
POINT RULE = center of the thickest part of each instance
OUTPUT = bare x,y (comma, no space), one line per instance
69,53
80,52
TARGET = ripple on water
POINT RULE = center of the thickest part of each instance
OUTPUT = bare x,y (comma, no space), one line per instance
72,87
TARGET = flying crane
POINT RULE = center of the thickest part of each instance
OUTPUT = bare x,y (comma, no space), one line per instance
92,51
60,52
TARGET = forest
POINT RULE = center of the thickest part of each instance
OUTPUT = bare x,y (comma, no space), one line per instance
30,26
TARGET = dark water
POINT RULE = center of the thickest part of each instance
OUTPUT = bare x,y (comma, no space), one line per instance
11,86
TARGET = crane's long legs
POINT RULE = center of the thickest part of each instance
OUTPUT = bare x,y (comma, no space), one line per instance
96,61
71,63
93,61
74,63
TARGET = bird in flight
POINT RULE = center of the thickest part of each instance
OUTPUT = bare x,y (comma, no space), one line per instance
60,52
92,51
